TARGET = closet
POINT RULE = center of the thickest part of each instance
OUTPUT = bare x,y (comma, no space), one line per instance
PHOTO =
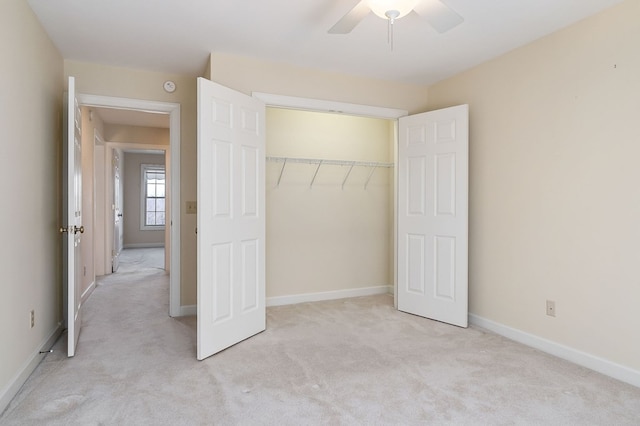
329,204
326,204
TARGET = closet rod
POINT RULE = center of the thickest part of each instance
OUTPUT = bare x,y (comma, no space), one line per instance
326,162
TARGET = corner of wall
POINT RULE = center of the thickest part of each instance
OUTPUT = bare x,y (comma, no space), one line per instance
207,71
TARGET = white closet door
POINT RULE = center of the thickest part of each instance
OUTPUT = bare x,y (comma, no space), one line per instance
433,157
231,217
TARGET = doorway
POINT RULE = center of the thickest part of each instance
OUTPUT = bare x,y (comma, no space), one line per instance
129,189
329,205
274,101
140,231
135,109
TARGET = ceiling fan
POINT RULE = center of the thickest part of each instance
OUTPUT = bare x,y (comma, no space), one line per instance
440,16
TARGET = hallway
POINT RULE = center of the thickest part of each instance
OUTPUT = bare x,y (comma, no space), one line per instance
129,349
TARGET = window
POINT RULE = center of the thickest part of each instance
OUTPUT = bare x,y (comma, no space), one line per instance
153,197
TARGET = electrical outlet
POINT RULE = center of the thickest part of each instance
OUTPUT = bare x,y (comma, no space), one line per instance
33,318
551,308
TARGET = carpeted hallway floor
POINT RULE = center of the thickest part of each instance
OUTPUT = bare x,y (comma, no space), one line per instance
344,362
141,259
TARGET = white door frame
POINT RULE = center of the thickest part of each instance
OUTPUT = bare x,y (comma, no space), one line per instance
319,105
173,109
335,107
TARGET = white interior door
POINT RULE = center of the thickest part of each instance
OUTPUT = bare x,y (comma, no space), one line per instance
231,217
433,158
72,206
118,226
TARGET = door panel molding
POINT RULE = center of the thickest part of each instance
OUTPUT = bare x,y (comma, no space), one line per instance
231,218
433,191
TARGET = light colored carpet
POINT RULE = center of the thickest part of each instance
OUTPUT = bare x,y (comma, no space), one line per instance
139,259
344,362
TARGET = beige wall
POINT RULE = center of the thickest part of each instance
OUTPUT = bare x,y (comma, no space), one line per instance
129,83
30,182
253,75
133,235
554,198
91,123
324,238
136,134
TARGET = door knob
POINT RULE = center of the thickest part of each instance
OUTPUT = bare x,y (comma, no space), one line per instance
64,229
119,214
80,230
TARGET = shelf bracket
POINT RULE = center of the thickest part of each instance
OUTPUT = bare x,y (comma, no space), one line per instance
373,169
315,174
281,172
347,175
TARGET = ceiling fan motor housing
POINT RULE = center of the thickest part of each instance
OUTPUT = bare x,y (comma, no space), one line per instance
392,9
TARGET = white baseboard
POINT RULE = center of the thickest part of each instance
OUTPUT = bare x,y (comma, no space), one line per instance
188,310
328,295
601,365
10,391
143,245
88,292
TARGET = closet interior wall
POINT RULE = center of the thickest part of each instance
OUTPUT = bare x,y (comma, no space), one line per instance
325,233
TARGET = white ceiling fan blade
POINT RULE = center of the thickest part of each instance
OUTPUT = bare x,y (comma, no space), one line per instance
441,17
349,21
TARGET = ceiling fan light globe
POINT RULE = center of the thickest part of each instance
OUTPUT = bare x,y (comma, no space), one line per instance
382,7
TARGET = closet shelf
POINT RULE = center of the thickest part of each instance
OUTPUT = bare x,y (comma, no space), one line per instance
320,162
328,162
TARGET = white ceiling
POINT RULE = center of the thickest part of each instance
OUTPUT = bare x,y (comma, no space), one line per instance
176,36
